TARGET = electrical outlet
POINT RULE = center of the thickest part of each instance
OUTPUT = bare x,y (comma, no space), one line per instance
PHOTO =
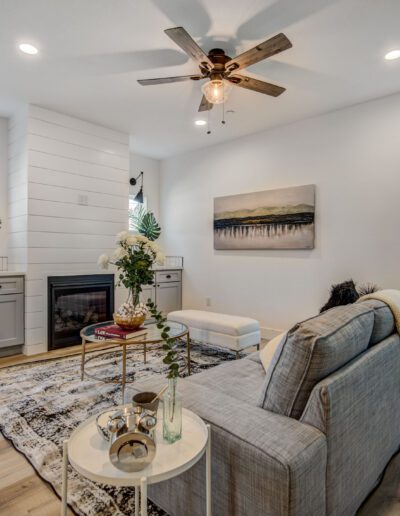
208,301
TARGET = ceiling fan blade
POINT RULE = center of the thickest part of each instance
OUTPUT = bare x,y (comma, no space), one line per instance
205,105
254,84
166,80
188,45
268,48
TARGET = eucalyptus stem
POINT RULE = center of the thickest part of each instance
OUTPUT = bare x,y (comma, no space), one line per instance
173,399
171,358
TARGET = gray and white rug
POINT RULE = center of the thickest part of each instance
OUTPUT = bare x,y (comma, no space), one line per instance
41,404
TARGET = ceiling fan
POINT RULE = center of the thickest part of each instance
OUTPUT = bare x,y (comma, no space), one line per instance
220,69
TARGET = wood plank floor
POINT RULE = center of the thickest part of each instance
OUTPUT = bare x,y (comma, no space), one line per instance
22,491
57,353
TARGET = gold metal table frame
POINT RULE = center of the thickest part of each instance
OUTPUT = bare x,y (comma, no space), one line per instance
153,336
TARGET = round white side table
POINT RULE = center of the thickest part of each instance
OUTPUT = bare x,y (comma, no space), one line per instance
87,452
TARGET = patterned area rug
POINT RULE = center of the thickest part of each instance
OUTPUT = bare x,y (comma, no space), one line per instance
42,403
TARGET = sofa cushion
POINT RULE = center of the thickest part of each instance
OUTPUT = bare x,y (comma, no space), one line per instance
384,324
241,379
268,351
314,349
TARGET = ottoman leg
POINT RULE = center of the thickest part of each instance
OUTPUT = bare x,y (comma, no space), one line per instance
188,352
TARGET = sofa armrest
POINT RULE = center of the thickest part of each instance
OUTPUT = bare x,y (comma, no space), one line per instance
262,463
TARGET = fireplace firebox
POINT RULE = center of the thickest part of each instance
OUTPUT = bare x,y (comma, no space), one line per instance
75,302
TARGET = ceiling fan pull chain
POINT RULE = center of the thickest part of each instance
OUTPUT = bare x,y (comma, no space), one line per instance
223,114
208,122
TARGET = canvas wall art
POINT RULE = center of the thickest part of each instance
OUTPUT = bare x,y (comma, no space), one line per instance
272,219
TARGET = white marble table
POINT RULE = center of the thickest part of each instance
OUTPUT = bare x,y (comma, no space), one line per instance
87,452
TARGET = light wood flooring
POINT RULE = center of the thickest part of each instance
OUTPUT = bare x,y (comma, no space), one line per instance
22,491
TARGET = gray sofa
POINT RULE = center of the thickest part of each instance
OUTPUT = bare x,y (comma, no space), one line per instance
313,436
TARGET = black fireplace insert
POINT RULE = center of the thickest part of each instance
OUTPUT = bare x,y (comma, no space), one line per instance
75,302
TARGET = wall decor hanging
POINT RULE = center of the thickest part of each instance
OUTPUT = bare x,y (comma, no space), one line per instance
271,219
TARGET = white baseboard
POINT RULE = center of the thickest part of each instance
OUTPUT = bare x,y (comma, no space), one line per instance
269,333
34,349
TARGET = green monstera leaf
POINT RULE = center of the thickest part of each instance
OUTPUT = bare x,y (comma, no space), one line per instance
149,227
145,223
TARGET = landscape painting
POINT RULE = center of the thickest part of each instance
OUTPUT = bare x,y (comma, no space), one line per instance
272,219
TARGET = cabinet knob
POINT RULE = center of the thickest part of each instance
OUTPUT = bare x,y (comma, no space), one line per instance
168,276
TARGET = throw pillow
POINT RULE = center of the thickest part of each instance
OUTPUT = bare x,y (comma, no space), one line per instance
313,350
268,351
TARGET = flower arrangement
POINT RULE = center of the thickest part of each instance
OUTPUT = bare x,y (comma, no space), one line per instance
134,258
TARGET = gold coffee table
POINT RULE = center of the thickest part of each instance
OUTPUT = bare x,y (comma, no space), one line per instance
153,336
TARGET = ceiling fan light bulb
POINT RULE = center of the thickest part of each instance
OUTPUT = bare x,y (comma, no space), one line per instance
216,91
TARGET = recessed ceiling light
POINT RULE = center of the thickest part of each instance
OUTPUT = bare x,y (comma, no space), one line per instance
393,54
27,48
200,122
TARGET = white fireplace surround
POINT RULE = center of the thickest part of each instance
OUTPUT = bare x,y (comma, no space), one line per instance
68,190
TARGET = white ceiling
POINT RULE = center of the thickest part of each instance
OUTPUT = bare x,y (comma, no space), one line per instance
93,51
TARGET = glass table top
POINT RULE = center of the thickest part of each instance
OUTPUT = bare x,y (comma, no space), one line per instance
153,334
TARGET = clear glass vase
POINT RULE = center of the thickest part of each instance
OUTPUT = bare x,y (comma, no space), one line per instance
172,413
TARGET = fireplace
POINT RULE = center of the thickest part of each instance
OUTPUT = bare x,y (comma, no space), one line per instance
75,302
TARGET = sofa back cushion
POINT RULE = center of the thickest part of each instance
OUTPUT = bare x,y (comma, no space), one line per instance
312,350
358,409
384,324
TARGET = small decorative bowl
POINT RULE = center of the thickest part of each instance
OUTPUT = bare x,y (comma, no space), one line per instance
129,322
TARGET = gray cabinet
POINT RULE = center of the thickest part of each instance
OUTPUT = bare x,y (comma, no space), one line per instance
148,292
168,290
11,315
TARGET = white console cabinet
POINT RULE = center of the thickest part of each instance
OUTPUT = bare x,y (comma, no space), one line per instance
166,291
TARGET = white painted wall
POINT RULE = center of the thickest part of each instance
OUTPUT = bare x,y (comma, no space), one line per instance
151,180
3,185
68,198
353,157
17,193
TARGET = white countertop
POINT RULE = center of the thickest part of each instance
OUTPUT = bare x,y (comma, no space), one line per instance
163,268
19,273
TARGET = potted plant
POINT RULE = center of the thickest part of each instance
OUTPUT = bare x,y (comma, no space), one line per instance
134,258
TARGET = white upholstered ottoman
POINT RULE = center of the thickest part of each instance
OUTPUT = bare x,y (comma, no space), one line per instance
228,331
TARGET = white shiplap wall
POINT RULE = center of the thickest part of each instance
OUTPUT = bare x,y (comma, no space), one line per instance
68,194
17,191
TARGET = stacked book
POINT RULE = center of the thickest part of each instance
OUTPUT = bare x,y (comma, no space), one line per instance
112,331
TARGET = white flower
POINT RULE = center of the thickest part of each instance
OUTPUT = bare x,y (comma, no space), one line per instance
160,258
122,237
153,246
119,253
128,309
103,261
142,239
132,240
